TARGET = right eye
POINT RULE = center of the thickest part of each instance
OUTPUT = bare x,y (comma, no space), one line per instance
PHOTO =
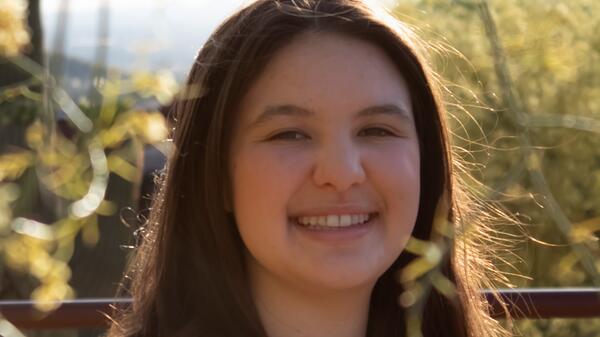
289,135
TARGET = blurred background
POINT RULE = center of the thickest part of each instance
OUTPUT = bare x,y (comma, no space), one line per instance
85,87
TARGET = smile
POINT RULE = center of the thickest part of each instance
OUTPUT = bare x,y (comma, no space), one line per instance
334,220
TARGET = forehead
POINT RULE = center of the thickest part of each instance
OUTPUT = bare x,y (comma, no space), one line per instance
327,72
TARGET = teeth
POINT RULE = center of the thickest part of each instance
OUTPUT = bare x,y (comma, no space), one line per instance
345,220
334,220
322,221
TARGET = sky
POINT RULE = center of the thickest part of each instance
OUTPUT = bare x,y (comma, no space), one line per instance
143,34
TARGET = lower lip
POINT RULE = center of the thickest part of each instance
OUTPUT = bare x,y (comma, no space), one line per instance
338,234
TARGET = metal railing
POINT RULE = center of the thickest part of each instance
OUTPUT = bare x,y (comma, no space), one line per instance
522,303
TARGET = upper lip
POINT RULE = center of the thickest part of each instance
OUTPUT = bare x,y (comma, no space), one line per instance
334,210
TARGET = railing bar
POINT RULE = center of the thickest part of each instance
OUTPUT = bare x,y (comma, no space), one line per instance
522,303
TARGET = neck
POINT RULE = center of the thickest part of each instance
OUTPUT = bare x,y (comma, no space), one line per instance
286,311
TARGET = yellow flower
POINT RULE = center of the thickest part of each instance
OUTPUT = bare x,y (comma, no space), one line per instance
161,85
12,165
14,34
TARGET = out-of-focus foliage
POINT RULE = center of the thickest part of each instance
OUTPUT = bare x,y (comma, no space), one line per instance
74,172
13,29
54,177
161,85
524,82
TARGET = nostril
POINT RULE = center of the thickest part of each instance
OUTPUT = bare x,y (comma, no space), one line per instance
341,169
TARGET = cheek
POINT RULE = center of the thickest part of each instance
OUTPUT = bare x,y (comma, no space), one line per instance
264,180
395,174
396,169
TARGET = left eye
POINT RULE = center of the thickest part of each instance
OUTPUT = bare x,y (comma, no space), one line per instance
288,135
376,132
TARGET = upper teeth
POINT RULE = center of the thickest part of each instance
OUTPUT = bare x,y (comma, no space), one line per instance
341,220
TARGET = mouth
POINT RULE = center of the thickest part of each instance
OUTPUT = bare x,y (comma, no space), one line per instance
334,222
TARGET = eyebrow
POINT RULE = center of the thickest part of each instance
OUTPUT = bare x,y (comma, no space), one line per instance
291,110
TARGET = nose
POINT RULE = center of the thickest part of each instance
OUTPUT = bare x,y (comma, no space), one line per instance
339,165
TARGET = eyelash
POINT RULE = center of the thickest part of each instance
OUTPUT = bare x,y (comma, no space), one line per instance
284,135
387,132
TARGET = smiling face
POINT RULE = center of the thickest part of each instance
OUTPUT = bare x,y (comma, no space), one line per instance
325,165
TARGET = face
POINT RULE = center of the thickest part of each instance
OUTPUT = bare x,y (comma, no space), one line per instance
325,165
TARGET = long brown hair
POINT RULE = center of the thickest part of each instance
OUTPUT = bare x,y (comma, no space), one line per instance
188,276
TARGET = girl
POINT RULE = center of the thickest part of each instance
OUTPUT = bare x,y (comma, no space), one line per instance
309,146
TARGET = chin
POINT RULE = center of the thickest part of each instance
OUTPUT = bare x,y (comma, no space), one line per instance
342,280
